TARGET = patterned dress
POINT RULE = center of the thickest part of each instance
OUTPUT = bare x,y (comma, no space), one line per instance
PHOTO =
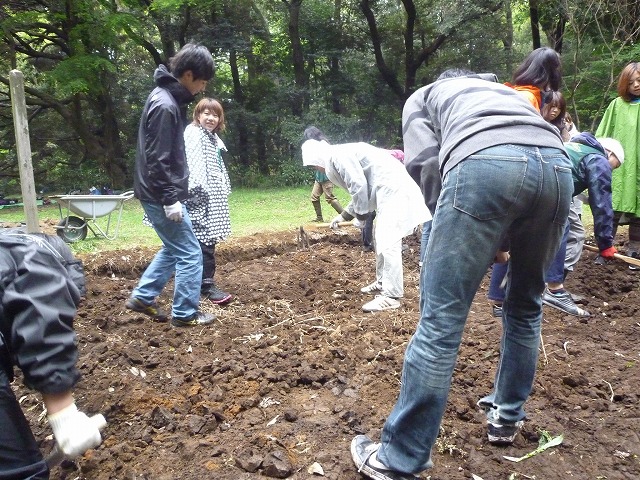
209,186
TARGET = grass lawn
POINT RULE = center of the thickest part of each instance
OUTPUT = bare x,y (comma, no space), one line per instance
251,211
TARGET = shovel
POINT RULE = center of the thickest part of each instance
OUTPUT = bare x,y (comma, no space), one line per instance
624,258
323,226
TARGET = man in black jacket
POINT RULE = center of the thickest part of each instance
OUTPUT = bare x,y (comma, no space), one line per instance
161,183
38,302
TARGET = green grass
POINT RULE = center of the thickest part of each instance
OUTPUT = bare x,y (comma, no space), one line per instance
252,211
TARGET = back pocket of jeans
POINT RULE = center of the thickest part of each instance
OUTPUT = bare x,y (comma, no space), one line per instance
488,186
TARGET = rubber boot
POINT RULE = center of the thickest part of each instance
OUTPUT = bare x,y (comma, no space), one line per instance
336,206
318,208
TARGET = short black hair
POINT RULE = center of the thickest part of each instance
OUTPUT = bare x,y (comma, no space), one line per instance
196,58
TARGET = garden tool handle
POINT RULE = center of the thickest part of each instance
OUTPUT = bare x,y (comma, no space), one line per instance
624,258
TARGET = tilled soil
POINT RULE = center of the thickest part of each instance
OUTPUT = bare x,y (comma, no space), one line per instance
293,369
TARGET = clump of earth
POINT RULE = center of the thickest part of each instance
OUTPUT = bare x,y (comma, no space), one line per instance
293,369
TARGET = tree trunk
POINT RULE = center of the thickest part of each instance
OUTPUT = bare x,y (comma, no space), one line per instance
535,22
299,97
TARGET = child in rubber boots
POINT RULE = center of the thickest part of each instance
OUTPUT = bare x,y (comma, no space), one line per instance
38,301
321,183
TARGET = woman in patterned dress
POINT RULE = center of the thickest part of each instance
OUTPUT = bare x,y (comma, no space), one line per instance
209,189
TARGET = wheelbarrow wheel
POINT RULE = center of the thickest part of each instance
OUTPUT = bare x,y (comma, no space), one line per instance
72,229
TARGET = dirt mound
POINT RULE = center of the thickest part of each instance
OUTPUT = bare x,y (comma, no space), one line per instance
293,369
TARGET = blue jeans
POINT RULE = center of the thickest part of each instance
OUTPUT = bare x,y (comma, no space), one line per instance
180,253
424,239
516,191
554,274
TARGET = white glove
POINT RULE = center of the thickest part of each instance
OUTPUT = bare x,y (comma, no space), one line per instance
334,223
358,223
74,431
173,212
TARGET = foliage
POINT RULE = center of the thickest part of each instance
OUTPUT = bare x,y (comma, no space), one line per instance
88,67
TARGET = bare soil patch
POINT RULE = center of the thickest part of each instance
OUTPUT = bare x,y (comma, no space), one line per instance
293,369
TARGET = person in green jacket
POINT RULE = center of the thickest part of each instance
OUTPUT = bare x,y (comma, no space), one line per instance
622,122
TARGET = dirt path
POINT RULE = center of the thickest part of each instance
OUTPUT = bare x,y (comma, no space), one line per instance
293,369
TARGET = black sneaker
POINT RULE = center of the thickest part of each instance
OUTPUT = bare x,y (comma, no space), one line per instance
197,319
152,310
563,302
496,310
503,434
217,296
361,451
634,255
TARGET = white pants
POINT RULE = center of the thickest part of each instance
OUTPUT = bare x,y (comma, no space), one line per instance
389,271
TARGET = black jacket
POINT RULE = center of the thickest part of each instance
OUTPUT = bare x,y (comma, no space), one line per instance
38,302
161,172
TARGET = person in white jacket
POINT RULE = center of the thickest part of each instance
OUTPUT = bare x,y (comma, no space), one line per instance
375,184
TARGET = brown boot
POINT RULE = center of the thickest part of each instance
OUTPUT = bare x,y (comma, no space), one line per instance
336,206
318,208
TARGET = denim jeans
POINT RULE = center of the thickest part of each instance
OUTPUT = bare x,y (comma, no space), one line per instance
424,239
180,253
554,274
516,191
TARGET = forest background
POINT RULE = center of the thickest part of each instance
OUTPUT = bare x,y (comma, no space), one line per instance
346,66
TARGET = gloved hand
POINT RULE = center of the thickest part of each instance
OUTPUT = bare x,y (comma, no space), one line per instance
74,431
358,223
608,253
334,223
173,212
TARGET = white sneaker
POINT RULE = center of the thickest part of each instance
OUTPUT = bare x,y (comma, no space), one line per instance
375,287
381,302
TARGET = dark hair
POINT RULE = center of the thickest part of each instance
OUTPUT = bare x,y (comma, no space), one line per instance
541,69
623,82
455,72
554,99
194,57
314,133
213,105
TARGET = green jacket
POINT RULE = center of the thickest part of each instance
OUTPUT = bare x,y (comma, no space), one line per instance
622,122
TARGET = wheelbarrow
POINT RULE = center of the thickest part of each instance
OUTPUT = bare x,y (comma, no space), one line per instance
88,209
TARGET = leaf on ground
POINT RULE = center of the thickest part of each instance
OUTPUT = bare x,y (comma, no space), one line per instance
554,442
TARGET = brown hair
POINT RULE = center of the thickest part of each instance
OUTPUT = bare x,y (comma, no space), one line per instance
623,82
210,104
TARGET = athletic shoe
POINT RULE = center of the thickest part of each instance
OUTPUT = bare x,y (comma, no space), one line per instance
217,296
563,302
634,255
195,320
152,310
375,287
380,303
362,449
496,310
500,434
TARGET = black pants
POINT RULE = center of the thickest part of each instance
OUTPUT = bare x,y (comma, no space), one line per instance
20,457
208,261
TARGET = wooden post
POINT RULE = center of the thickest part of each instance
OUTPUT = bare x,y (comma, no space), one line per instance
23,147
